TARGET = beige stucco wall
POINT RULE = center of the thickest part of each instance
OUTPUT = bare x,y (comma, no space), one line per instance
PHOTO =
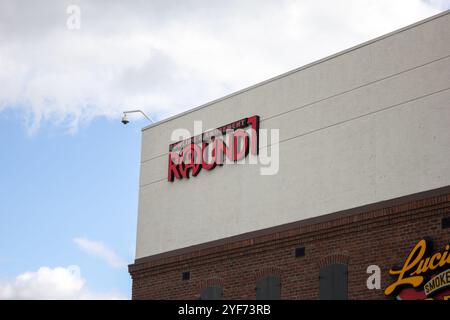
366,125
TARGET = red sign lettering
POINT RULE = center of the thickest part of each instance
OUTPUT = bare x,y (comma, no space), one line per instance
208,150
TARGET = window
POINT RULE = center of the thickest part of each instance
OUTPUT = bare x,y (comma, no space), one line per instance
268,288
333,282
211,293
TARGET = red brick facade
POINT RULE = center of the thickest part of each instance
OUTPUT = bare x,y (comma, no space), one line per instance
381,234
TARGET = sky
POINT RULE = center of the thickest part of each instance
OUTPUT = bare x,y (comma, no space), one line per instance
69,170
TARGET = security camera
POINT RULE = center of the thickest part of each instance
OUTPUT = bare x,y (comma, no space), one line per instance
125,119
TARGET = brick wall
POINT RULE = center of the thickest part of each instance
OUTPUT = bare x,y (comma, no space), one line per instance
381,234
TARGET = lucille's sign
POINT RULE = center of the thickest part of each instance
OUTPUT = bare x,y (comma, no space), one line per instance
419,266
209,149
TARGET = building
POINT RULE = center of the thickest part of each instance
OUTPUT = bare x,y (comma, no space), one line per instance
361,191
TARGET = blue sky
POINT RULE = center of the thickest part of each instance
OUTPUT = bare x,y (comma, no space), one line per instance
69,170
56,186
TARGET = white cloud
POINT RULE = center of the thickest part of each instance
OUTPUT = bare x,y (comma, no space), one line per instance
168,56
100,250
58,283
442,4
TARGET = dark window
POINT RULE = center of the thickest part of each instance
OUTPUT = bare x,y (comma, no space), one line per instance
333,282
445,223
268,288
299,252
185,275
211,293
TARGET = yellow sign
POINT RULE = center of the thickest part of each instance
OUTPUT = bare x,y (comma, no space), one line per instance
417,264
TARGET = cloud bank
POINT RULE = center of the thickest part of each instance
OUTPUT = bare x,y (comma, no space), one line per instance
60,283
168,56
